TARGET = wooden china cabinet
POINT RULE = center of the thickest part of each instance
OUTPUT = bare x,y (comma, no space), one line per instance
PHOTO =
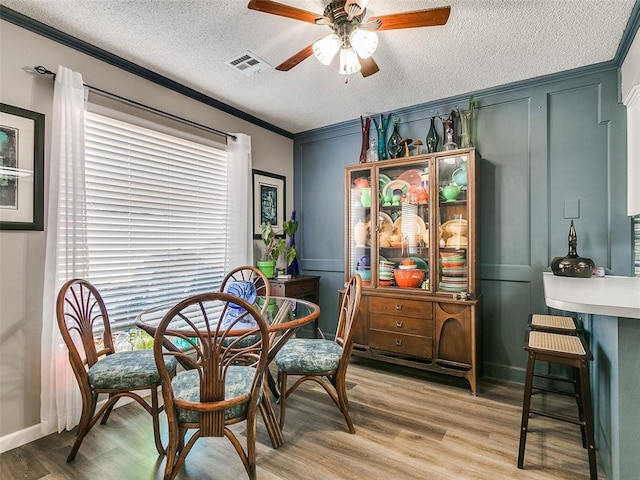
423,211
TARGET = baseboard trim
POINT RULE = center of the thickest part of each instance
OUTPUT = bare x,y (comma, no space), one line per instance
503,372
19,438
33,433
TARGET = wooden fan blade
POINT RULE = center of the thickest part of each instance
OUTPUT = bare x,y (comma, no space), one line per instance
275,8
294,60
368,66
417,18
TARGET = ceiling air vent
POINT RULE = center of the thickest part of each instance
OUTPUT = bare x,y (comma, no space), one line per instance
249,64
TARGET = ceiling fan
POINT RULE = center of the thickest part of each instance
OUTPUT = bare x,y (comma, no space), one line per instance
353,36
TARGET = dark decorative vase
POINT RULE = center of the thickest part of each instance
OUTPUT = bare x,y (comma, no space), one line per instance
365,125
294,268
449,132
572,265
432,137
394,145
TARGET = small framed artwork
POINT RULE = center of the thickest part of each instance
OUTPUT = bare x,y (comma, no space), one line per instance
268,200
21,169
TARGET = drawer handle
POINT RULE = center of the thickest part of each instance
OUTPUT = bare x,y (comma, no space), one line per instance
398,307
398,342
399,324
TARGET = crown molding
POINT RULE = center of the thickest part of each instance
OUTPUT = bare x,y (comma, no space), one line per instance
58,36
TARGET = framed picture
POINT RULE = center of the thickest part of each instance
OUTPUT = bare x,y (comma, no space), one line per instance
268,201
21,169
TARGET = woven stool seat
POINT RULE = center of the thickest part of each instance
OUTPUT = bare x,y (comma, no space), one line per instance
553,323
572,351
556,342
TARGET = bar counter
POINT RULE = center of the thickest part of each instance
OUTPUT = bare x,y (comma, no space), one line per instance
610,309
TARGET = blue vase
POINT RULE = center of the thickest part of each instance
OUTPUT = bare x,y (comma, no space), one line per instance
382,135
293,268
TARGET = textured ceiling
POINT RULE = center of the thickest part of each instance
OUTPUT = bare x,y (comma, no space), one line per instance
484,44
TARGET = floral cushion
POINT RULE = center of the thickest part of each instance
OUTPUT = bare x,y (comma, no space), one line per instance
248,341
303,355
186,386
129,369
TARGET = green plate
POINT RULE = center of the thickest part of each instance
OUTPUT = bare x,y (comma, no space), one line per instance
383,180
420,263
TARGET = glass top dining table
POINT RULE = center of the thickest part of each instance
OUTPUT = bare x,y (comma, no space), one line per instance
283,315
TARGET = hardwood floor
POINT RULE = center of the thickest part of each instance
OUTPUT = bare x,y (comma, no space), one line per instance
409,425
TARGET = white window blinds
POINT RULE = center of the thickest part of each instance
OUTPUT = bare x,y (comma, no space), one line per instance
156,221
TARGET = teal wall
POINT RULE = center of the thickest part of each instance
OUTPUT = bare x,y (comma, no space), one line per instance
606,390
552,150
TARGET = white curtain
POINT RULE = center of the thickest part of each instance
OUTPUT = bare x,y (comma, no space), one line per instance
239,208
66,250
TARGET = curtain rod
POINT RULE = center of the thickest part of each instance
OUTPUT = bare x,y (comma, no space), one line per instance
45,71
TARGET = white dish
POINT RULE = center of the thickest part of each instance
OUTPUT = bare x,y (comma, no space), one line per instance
411,222
457,242
385,223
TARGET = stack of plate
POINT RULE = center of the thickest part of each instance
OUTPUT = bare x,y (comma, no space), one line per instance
364,269
385,273
454,272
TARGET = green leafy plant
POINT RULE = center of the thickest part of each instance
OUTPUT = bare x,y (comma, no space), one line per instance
276,246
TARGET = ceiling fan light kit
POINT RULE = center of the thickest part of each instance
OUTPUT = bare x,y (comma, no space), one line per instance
364,42
349,61
354,39
359,44
326,48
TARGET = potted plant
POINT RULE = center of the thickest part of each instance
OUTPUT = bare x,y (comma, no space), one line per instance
275,247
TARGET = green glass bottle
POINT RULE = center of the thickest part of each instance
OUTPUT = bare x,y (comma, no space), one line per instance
432,137
394,145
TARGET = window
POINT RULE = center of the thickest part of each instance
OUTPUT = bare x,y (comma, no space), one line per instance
156,215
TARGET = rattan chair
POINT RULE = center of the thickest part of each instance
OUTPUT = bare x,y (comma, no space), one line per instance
223,383
99,369
321,360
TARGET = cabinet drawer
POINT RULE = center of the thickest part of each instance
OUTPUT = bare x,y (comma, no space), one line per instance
295,290
401,324
278,290
410,345
402,306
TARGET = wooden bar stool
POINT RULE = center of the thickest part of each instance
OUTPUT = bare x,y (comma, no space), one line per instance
553,324
565,326
570,350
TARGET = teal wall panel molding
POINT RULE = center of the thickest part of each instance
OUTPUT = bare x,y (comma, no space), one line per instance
549,149
541,145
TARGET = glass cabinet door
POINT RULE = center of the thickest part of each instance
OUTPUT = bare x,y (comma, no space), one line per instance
403,235
359,222
453,218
